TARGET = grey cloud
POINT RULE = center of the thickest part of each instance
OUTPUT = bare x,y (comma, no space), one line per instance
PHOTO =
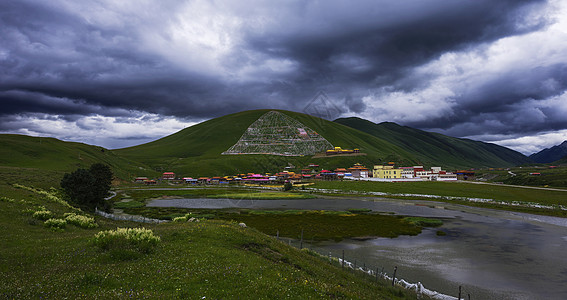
56,61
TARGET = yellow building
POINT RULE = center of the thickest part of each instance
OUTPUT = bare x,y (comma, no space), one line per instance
386,172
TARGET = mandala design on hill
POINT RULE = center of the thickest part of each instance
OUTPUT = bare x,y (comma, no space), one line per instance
278,134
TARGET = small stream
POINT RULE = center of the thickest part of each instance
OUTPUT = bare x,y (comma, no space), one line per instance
492,254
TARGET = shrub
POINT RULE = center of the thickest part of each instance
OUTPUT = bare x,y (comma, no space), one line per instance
55,224
80,221
6,199
288,186
43,214
180,219
138,239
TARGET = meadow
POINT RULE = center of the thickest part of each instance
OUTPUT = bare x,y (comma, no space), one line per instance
209,259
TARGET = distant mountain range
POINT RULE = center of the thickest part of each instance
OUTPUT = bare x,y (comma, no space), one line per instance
196,150
550,155
438,149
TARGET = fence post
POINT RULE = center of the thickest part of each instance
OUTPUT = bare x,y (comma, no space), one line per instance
376,275
330,257
354,264
301,243
394,277
343,264
460,287
278,235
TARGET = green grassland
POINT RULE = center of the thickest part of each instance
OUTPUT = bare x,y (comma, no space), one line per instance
214,259
49,154
549,177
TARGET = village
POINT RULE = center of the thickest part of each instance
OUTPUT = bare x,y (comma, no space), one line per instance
383,173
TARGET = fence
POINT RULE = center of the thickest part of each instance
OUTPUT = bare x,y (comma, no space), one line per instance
342,259
128,217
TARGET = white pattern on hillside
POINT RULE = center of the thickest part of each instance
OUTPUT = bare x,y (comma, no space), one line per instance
278,134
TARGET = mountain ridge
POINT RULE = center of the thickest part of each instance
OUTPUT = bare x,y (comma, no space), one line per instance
197,150
552,154
431,148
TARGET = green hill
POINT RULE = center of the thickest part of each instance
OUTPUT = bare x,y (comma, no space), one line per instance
437,149
54,155
196,150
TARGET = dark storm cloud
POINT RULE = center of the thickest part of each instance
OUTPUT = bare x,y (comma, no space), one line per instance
198,60
385,45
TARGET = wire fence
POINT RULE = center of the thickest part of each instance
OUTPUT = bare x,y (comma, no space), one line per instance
349,261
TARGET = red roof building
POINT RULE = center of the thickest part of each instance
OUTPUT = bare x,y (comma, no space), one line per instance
168,175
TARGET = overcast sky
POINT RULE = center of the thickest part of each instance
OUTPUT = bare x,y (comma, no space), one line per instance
120,73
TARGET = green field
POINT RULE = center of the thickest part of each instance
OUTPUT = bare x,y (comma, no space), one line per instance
548,177
210,259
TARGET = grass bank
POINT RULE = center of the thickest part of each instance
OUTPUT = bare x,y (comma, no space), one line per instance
212,259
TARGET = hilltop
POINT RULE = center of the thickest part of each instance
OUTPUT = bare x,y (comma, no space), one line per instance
438,149
197,150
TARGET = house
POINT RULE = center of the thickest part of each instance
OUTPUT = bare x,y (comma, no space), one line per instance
328,175
168,176
446,176
140,179
359,171
407,172
203,180
341,172
386,172
190,180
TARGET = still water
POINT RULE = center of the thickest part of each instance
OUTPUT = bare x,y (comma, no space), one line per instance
491,254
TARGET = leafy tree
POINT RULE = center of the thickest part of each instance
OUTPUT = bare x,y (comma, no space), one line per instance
103,178
287,186
88,187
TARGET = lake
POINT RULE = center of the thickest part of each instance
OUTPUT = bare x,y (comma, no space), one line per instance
492,254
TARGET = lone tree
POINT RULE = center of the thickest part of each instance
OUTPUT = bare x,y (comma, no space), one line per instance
88,187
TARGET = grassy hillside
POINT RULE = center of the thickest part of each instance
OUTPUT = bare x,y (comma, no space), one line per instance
41,153
433,149
196,151
206,260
